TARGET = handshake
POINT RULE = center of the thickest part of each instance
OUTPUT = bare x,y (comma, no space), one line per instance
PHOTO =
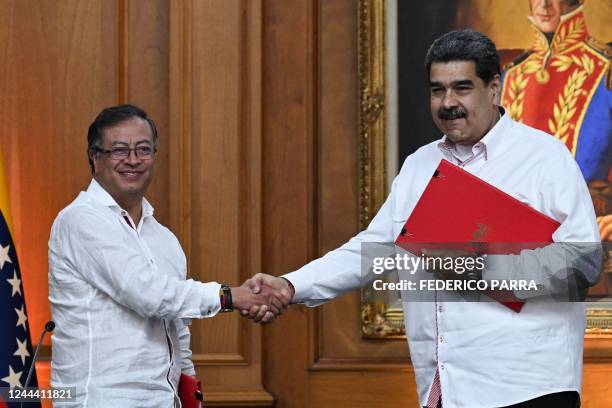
262,297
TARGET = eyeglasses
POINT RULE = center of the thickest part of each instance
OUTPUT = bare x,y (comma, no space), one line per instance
121,153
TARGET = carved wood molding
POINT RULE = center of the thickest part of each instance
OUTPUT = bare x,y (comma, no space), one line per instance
223,398
599,323
597,350
372,102
362,364
372,59
219,359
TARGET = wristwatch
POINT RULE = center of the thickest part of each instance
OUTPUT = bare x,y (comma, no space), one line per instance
225,297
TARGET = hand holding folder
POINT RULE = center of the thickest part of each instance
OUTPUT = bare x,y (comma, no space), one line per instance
190,392
469,214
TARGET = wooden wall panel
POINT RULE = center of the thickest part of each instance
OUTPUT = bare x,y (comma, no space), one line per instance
144,80
59,66
363,390
596,385
340,334
289,134
215,158
216,144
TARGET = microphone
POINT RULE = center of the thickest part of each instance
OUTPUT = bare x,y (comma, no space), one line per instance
49,327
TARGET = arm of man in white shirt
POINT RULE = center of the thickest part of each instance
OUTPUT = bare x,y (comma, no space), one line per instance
573,261
184,339
121,270
338,272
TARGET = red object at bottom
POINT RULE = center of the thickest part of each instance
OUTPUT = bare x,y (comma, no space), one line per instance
190,392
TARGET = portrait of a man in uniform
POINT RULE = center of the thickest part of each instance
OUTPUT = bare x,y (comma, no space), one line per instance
562,85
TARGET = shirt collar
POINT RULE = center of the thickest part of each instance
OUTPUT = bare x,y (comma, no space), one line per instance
98,193
494,137
490,142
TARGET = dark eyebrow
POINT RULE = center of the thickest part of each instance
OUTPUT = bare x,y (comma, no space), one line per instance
463,82
144,141
118,143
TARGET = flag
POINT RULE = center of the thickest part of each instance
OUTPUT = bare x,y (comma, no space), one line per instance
15,343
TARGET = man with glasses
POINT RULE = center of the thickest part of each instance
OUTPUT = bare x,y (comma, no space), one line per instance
117,279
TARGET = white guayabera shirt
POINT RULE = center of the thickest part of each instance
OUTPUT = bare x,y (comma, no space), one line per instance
486,354
121,303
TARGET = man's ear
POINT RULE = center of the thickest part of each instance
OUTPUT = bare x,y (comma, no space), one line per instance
93,156
495,87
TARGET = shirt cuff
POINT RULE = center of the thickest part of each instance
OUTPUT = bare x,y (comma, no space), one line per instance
302,284
211,302
190,371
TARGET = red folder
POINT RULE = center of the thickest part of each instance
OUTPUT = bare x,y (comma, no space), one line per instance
190,392
460,209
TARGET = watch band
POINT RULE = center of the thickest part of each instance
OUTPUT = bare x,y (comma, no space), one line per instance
225,297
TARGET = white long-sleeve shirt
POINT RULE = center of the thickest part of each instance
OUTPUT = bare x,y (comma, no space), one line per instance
486,354
121,305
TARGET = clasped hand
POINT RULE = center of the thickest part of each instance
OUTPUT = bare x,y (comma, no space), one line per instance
262,297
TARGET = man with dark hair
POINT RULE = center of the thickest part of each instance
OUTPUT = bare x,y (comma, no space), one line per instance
466,45
110,117
117,279
474,354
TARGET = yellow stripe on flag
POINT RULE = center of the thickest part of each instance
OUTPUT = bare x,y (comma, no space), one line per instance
4,197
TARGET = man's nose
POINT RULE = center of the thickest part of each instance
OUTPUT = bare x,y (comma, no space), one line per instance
449,99
544,3
132,157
